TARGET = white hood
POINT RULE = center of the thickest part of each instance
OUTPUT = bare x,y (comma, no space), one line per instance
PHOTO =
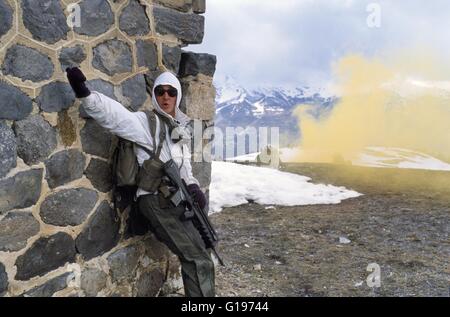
167,78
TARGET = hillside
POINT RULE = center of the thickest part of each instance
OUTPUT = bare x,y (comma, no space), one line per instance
400,223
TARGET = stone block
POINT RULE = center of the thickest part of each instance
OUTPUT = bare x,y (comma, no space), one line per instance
45,20
45,255
51,286
123,262
66,128
15,229
149,283
36,139
15,104
95,140
202,172
133,20
93,281
171,58
100,174
112,57
147,54
3,280
6,17
8,148
96,17
199,97
193,64
20,191
72,56
199,6
55,97
134,92
27,64
181,5
68,207
188,27
64,166
101,234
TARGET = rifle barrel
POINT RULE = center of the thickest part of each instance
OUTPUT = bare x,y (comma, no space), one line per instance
218,257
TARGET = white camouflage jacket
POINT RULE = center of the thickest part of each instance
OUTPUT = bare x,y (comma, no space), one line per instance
134,126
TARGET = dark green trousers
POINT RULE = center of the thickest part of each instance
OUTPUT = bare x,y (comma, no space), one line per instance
183,239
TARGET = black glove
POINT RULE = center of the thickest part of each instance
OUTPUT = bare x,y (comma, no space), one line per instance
197,195
77,81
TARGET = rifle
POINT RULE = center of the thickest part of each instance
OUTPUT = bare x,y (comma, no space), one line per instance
198,215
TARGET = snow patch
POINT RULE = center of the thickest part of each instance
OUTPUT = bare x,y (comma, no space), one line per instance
235,184
258,109
399,158
372,156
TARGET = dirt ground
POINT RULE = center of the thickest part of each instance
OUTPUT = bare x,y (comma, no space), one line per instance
401,223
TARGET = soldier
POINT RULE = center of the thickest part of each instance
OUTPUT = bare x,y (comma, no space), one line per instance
181,237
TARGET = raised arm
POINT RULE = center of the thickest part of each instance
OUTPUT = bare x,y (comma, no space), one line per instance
109,113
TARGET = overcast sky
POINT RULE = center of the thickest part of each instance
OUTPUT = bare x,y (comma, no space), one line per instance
285,42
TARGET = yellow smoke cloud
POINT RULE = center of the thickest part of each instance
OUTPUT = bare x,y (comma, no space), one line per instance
380,105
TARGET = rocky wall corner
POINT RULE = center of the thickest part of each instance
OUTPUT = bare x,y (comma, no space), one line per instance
59,235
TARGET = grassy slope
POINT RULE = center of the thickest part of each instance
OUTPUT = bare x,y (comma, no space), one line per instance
402,223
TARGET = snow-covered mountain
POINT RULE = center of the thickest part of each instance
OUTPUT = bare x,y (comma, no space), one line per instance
237,106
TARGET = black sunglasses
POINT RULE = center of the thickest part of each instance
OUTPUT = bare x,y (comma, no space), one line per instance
160,91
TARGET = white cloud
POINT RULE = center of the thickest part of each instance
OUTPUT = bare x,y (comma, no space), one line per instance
288,41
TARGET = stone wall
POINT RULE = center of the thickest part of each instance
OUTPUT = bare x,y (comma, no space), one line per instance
59,235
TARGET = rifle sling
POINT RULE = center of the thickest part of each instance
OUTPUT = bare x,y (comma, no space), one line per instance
162,134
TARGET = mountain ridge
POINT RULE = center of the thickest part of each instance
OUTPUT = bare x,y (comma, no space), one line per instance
268,106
